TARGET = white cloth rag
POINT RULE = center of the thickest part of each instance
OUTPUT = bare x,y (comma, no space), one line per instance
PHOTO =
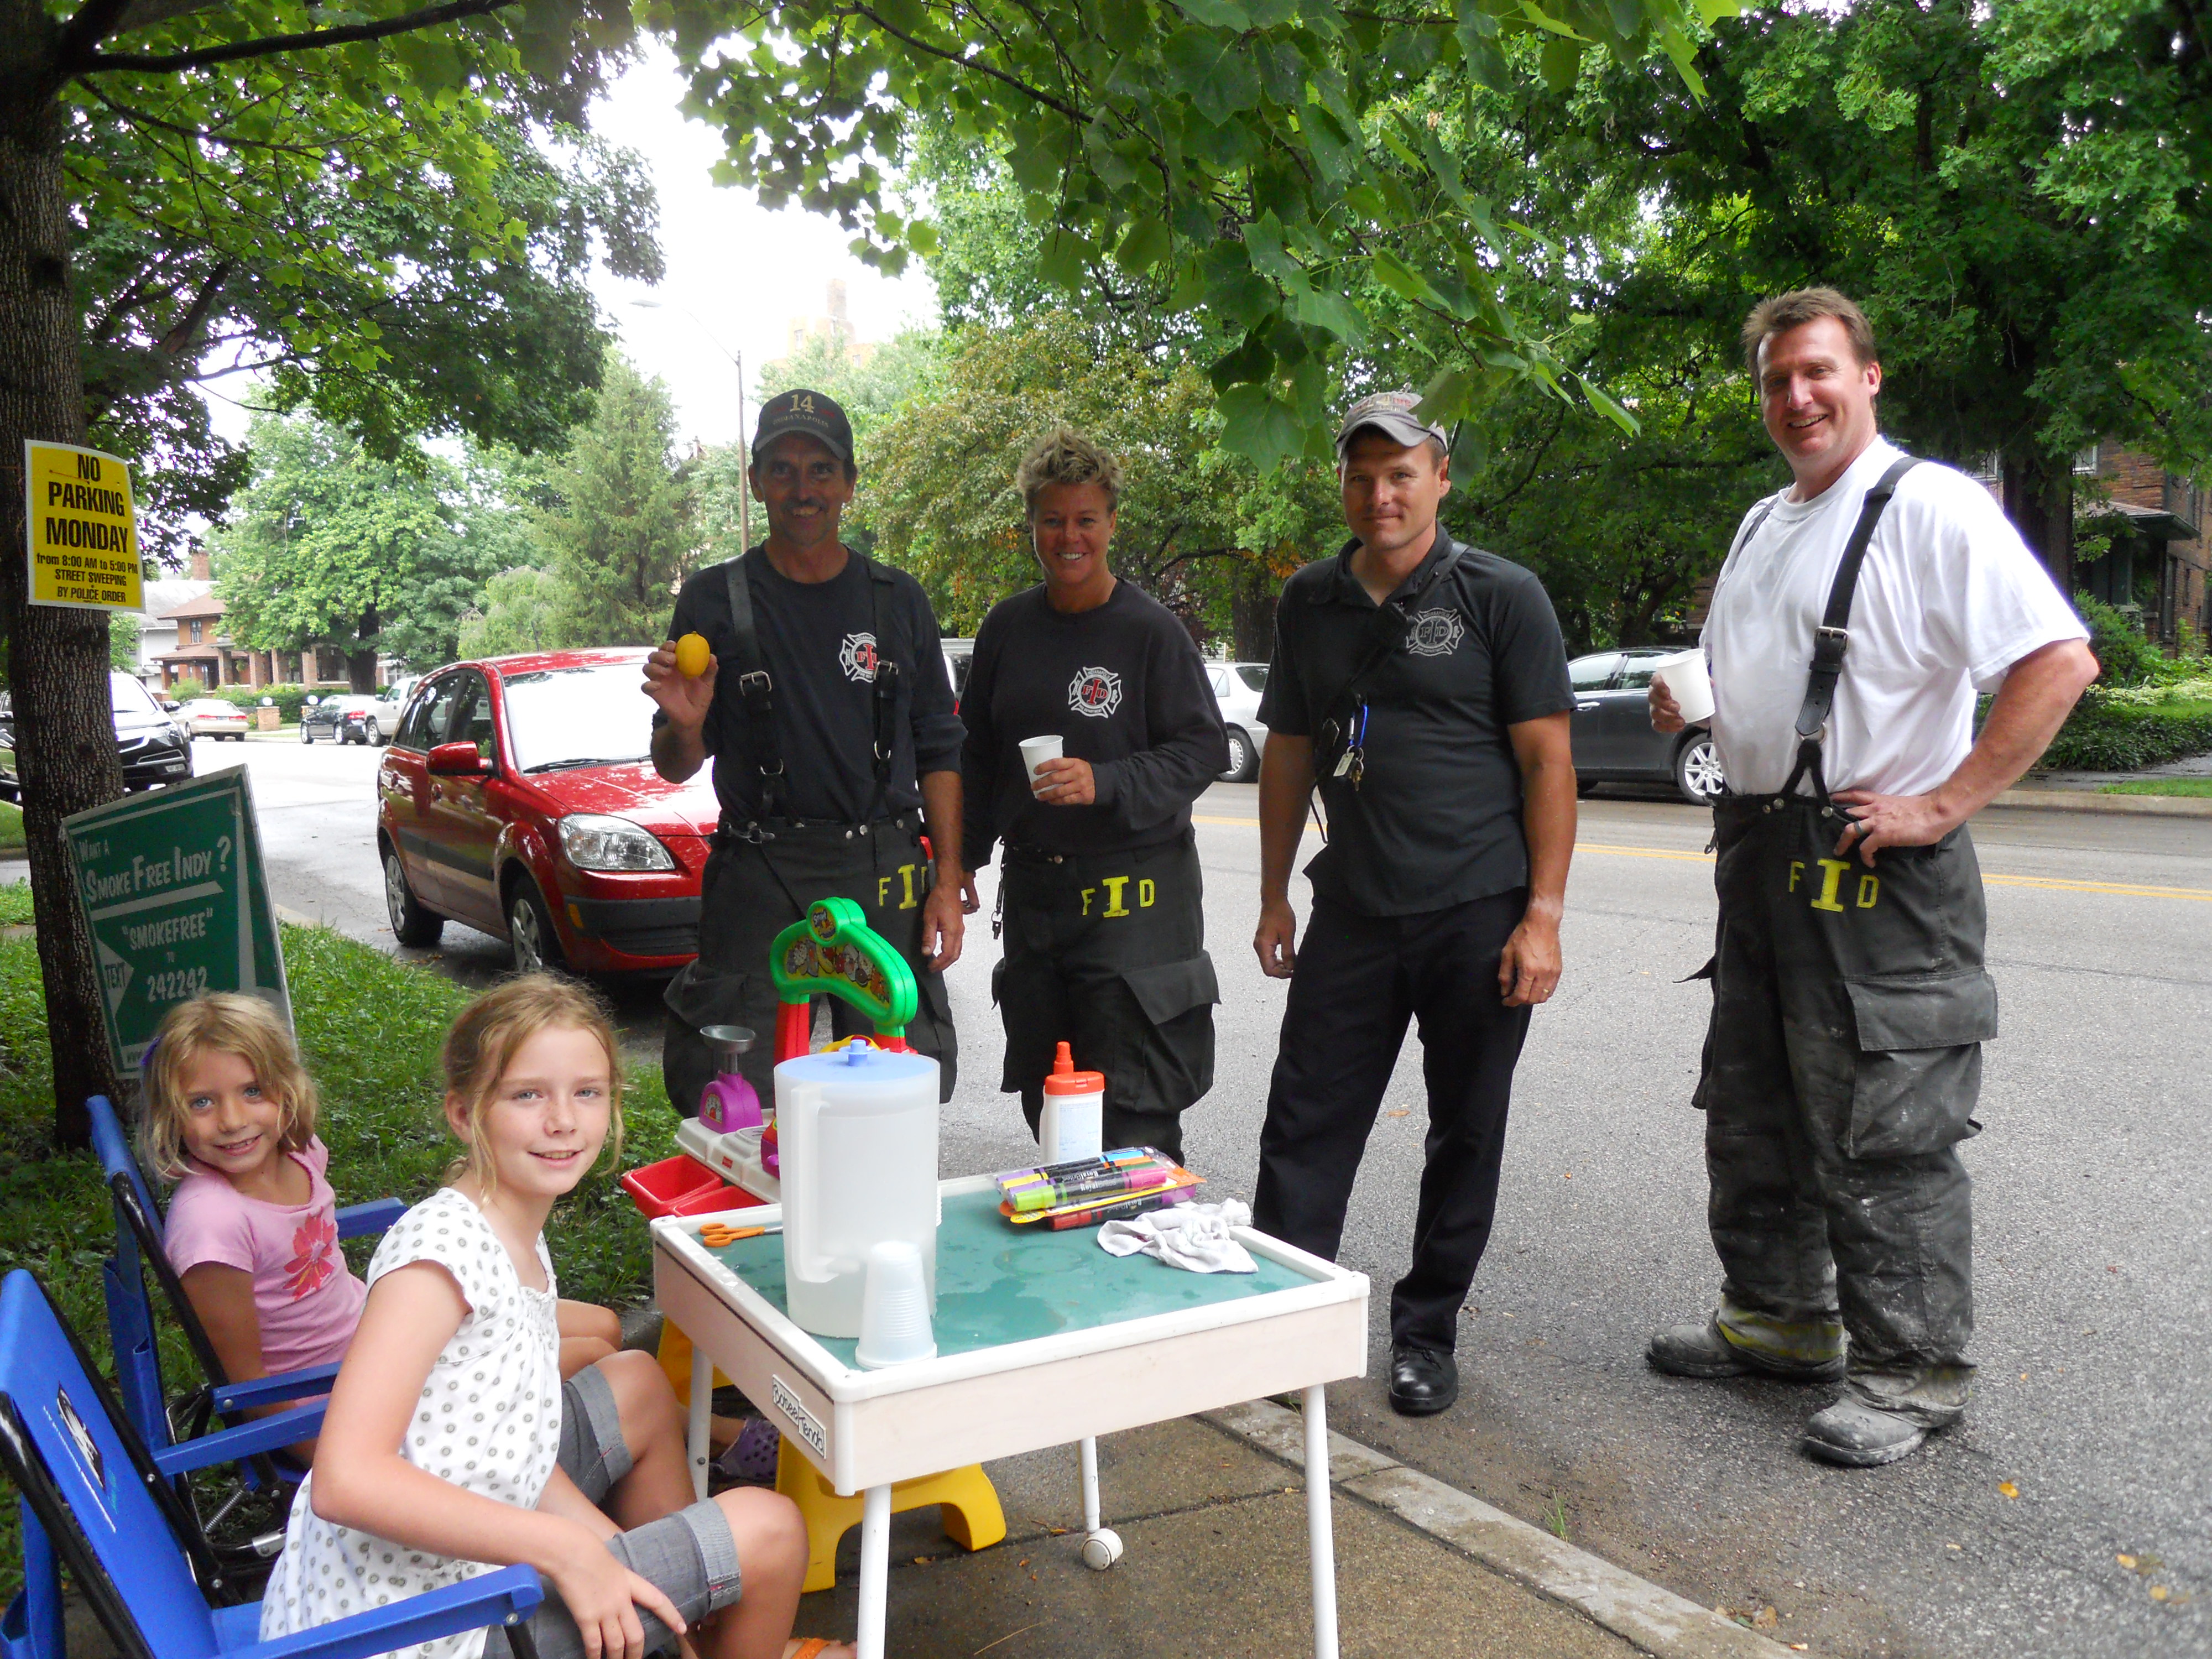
1194,1237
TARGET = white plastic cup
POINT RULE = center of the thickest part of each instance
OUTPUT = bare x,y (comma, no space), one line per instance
1685,677
1036,751
894,1328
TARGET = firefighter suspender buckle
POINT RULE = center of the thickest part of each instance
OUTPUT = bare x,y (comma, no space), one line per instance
1831,640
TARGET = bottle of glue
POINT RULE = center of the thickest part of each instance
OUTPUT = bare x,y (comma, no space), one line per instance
1074,1124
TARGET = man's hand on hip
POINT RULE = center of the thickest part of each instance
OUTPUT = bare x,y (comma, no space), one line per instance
1277,939
1892,821
1528,971
944,928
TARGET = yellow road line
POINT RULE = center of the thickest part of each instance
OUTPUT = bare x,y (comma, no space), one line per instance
2048,884
2124,889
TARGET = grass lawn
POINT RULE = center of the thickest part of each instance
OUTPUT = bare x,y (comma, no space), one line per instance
2199,787
370,1028
15,904
11,828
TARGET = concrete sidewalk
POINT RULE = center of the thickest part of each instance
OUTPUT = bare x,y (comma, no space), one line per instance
1213,1523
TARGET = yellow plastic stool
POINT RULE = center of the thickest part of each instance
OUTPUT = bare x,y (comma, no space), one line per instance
675,1357
967,1504
968,1508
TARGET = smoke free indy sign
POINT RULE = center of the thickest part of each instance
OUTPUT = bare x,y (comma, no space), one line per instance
170,885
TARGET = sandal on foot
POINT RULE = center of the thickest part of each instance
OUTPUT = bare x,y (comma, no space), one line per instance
752,1456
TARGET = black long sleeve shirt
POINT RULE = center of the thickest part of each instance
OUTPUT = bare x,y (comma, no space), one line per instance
1124,688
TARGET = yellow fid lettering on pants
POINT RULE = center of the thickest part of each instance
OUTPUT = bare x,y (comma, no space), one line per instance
906,878
1116,888
1832,872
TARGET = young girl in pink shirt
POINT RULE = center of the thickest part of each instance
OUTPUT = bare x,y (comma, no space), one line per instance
252,1228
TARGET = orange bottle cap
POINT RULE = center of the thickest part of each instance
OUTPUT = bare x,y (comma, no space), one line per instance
1067,1080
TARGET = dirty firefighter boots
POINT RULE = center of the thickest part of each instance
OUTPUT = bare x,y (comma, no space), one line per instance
1704,1351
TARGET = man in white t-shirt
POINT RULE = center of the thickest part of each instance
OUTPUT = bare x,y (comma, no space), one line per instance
1850,997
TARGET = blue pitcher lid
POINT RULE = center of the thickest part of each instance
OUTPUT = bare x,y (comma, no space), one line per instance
858,1062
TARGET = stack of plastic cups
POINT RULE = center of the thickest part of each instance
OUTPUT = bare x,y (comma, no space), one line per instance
894,1328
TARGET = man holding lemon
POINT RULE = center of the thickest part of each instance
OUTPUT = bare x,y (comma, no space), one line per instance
814,679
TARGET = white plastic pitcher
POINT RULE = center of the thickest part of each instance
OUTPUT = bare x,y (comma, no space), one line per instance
858,1133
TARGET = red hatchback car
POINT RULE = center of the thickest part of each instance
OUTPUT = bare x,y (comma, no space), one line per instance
517,796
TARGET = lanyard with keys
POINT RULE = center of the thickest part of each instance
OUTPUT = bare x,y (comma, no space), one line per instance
1353,766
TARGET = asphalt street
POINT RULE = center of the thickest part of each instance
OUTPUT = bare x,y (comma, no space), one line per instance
2091,1435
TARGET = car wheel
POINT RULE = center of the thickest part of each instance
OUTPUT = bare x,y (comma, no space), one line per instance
371,736
1698,770
530,932
307,734
1243,758
411,923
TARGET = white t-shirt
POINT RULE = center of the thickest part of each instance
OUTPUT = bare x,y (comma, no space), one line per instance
1948,599
488,1422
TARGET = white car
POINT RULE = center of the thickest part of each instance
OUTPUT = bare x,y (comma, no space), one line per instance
211,717
1237,687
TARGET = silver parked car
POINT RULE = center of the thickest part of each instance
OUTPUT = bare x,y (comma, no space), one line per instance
1237,687
1612,729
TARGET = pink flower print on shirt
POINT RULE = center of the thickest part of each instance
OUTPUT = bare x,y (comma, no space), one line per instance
311,1266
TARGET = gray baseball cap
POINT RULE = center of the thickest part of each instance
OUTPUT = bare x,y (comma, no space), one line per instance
1390,413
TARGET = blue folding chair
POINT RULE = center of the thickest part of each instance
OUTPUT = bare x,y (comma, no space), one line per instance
95,1497
139,1248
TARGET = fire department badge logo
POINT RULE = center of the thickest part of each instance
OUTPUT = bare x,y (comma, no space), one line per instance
1095,692
857,657
1435,633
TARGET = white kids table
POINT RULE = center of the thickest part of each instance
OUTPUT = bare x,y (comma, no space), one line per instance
1042,1339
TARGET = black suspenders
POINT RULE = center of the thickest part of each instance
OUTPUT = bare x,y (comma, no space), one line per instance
1832,638
756,688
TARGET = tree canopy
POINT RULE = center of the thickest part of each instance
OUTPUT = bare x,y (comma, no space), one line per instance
2016,193
331,545
1264,159
402,262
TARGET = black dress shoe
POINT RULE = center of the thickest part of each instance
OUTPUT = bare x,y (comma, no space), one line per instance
1422,1382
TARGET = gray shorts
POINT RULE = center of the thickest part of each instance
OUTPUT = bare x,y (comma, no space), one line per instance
689,1556
594,1454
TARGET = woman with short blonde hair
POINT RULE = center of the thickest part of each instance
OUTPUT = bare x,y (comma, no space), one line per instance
1099,881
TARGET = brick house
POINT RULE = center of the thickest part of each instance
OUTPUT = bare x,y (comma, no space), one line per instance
203,651
2155,521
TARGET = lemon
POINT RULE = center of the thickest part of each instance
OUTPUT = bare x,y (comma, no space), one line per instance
691,655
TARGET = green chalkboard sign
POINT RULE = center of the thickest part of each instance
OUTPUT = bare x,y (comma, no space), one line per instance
170,884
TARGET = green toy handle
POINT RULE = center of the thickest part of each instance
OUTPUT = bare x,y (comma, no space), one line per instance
834,950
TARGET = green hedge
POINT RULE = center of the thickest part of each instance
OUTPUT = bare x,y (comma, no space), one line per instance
2105,734
288,698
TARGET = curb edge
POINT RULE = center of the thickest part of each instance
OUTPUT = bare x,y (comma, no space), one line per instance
2090,800
1648,1616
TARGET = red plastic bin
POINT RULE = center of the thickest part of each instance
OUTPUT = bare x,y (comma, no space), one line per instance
682,1186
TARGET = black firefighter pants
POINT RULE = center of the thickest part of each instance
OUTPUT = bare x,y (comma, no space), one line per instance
1358,980
750,892
1107,954
1841,1066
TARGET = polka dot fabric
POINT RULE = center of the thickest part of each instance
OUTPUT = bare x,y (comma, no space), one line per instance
489,1422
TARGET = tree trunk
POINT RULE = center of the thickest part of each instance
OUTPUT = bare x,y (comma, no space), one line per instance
2039,499
57,658
360,670
1252,615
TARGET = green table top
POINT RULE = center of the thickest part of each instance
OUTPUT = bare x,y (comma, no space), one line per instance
998,1283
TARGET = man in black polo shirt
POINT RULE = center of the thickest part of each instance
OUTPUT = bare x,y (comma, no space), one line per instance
830,722
1424,684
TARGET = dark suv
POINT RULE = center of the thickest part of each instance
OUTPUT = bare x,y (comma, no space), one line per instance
151,744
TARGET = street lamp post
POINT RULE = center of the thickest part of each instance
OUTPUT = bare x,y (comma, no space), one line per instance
738,361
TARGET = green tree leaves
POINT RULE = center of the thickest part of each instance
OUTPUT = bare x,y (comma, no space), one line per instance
1252,157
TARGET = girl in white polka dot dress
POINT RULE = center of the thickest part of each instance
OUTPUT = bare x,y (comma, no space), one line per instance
452,1446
